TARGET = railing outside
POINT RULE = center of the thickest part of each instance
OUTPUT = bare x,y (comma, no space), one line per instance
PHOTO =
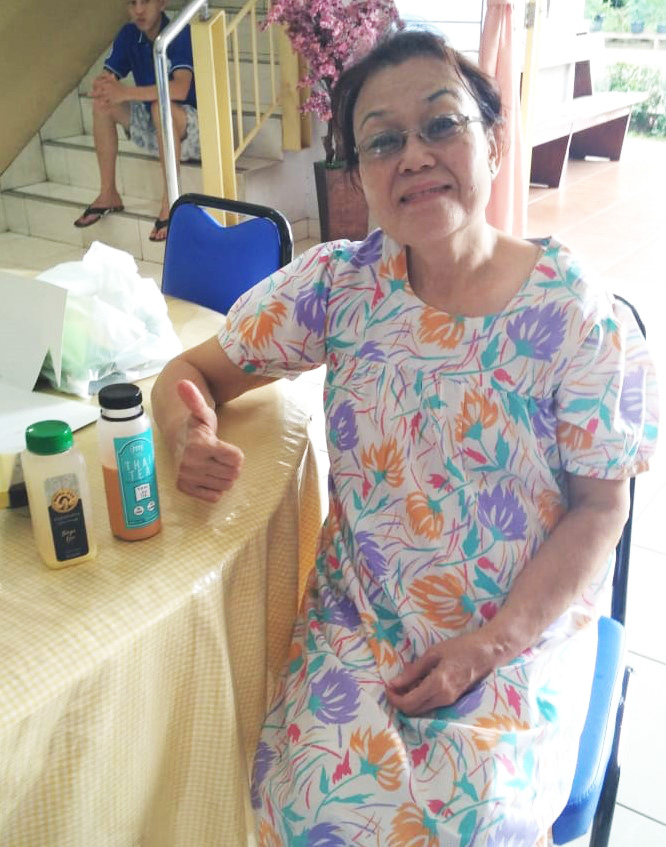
162,42
223,88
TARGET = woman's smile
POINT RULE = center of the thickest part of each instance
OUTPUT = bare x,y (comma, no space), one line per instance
424,192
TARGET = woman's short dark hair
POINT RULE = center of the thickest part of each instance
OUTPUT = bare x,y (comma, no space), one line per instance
395,49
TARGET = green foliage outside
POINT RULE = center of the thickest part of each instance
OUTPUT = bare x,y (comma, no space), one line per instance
648,117
618,18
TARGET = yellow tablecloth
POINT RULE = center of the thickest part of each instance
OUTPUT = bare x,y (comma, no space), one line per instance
132,688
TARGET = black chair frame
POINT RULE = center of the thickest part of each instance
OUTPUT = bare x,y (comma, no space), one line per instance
240,207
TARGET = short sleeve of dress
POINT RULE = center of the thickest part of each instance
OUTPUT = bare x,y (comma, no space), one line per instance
606,402
277,328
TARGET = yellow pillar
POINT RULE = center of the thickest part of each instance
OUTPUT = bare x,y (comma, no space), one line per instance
211,71
289,93
533,16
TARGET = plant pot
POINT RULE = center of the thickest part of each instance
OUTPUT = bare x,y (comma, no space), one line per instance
637,27
343,212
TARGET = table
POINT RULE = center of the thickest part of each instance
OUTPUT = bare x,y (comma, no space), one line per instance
132,688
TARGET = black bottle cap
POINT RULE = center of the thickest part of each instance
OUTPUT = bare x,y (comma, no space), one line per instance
120,395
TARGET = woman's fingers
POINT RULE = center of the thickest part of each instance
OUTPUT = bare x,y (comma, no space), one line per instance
211,495
418,699
411,674
442,674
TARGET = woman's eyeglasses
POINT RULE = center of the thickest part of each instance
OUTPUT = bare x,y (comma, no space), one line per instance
435,130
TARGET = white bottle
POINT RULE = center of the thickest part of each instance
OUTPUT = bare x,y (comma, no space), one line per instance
58,495
128,463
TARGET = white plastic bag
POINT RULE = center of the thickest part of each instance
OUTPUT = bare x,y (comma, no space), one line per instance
116,326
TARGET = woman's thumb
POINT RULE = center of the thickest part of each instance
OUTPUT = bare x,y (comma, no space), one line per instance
194,400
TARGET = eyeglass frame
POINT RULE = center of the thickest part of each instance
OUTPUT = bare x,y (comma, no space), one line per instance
465,121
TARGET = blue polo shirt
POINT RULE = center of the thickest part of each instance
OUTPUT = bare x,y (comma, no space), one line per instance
132,51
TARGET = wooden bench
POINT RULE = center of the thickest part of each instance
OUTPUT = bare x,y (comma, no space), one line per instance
589,124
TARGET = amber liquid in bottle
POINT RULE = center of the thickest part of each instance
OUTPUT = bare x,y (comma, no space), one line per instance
115,509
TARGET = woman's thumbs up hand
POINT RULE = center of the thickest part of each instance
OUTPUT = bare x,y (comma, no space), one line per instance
206,466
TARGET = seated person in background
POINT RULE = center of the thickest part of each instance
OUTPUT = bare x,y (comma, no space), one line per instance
486,404
135,107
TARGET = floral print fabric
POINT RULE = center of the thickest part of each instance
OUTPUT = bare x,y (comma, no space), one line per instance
449,439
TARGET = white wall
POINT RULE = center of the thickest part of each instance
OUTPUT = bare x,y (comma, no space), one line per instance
458,20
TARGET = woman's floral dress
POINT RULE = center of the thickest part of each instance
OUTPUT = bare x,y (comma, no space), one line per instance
449,438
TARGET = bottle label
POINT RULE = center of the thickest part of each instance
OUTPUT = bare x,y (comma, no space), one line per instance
68,526
135,458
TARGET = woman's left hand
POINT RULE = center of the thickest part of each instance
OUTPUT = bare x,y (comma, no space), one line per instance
441,675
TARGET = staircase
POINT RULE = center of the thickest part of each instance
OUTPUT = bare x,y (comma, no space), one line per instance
56,176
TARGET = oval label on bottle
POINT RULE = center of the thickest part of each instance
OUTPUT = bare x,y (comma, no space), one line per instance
135,458
68,526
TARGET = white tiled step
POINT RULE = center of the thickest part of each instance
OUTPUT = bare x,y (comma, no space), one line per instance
72,161
268,142
49,209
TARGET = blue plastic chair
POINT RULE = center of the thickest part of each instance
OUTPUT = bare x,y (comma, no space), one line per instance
594,789
212,265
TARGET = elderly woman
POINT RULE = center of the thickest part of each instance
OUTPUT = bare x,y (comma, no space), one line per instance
485,404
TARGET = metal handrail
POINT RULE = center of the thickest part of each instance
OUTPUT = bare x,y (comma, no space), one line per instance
162,42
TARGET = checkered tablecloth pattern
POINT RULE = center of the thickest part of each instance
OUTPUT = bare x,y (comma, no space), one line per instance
132,688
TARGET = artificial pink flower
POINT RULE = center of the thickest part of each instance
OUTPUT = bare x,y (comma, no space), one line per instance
330,35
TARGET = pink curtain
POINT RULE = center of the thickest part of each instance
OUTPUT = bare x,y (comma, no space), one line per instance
507,209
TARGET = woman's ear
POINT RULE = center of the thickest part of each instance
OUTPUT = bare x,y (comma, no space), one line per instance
494,153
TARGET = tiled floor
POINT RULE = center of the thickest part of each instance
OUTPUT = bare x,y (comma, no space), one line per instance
612,216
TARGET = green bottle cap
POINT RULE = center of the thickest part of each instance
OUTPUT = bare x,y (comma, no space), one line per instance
47,437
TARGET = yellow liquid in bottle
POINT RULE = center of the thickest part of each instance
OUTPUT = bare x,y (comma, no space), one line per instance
60,509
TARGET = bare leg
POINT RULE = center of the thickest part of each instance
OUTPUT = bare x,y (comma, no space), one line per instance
179,127
105,134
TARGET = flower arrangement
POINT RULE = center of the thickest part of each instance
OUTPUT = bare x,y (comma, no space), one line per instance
330,35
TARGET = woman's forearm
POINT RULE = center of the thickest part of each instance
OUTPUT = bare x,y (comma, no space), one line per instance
562,568
211,371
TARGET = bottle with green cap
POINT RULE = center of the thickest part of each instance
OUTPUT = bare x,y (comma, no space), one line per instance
58,494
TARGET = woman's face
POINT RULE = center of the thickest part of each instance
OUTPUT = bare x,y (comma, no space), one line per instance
424,192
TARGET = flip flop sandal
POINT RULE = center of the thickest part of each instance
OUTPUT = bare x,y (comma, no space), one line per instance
98,211
160,224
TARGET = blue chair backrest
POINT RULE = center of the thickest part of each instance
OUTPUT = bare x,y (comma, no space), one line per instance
212,265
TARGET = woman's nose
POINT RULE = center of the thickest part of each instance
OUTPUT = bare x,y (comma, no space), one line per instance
416,153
